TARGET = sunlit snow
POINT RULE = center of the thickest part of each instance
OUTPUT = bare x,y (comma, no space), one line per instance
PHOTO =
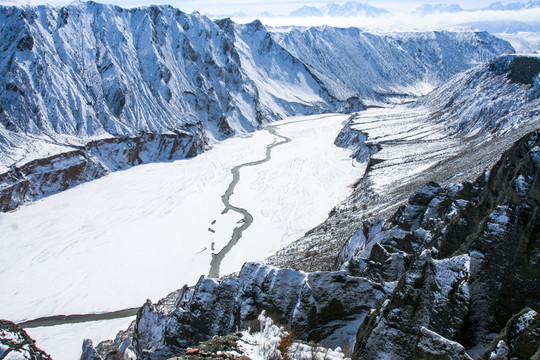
141,233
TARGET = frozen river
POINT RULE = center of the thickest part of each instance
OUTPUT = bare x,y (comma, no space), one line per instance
112,243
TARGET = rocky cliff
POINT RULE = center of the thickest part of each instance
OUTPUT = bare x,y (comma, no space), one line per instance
452,271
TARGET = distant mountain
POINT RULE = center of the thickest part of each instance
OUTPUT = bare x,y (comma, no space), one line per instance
426,9
351,8
306,11
498,6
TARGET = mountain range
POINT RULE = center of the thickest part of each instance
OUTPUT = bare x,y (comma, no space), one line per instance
433,255
154,83
496,6
358,9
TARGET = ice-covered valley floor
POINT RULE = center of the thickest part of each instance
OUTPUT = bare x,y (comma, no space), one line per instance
141,233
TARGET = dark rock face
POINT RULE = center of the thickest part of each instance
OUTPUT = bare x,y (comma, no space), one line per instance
432,346
520,339
47,176
16,344
521,69
475,250
355,140
313,304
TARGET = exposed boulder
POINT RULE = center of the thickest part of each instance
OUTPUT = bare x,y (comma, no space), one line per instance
432,346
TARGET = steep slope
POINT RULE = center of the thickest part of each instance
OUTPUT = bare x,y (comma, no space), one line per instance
387,67
499,96
447,271
89,88
89,79
448,136
90,69
466,259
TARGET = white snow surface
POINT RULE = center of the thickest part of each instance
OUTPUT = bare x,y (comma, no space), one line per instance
524,42
111,243
64,342
263,345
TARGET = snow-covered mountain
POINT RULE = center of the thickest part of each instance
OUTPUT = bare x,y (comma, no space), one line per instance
381,68
92,70
348,9
531,4
426,9
306,11
353,8
114,87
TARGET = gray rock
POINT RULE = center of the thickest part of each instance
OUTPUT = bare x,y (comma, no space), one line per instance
16,344
432,346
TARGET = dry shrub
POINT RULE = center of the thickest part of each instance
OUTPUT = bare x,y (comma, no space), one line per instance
285,344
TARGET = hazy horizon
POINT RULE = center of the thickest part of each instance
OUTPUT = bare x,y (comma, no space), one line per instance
401,16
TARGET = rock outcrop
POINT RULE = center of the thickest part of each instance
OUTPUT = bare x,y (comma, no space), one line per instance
435,281
41,177
473,252
16,344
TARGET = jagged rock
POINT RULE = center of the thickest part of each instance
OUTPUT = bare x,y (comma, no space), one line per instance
520,338
314,305
16,344
355,140
487,269
88,351
432,294
432,346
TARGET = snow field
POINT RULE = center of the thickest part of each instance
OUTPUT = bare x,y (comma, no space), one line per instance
65,341
295,190
112,243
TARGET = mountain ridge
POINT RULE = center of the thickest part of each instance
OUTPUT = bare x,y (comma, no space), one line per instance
160,71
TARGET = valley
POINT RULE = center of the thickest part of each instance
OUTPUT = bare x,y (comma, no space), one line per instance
364,189
159,224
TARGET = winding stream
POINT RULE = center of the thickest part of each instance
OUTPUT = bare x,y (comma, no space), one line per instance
247,217
216,258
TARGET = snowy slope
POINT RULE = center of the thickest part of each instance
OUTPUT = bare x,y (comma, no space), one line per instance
496,97
384,67
452,134
90,71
